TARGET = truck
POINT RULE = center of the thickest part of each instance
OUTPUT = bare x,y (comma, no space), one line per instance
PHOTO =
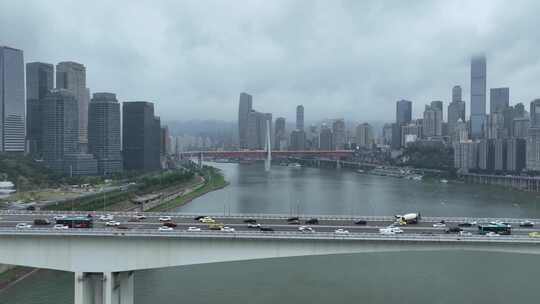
409,218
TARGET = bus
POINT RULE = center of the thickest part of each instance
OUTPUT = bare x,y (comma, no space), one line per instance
496,228
76,222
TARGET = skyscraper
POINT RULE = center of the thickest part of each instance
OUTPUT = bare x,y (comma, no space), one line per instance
326,139
456,94
72,77
104,133
403,112
298,140
280,136
140,141
432,124
478,96
364,135
456,111
39,81
338,134
12,108
300,117
244,108
499,99
533,138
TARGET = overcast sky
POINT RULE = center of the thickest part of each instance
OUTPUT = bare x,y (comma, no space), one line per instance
350,59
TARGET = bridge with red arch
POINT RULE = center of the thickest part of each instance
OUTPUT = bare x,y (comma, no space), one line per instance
261,154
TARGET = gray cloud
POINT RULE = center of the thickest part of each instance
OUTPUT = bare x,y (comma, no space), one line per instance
349,59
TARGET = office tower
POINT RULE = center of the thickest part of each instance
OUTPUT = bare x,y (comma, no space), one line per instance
465,156
139,136
156,143
403,117
364,135
456,94
396,137
486,155
72,77
300,117
244,108
411,132
338,134
494,126
298,140
104,133
519,110
516,154
500,154
520,127
12,107
280,135
165,144
60,135
499,99
256,130
312,138
432,124
478,96
326,142
533,137
39,81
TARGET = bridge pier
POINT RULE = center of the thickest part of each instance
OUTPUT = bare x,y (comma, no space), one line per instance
104,288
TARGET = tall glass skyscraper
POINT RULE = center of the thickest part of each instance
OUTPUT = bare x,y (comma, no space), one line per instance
300,117
12,105
478,96
244,108
39,81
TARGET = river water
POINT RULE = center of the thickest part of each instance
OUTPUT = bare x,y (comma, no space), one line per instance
406,277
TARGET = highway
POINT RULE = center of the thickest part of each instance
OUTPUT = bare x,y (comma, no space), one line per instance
327,224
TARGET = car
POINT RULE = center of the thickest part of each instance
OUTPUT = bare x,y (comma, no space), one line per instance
42,222
165,228
254,225
491,233
170,224
194,229
23,226
305,229
386,231
534,234
227,229
122,227
106,217
60,227
526,224
112,223
267,229
341,231
215,226
360,222
453,230
439,225
294,222
394,229
294,218
467,224
312,221
59,217
250,221
199,217
207,220
165,219
140,216
465,233
500,223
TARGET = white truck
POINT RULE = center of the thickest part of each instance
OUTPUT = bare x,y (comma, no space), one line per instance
409,218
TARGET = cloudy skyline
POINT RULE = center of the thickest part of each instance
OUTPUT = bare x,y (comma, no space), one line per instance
350,59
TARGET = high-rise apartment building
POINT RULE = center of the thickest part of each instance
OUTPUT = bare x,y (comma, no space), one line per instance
244,108
300,117
533,137
364,135
12,103
256,130
140,136
104,133
72,77
456,112
432,124
499,99
478,96
39,81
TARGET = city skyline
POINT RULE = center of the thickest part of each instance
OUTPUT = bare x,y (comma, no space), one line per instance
280,70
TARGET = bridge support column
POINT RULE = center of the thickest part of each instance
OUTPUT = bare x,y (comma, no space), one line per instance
104,288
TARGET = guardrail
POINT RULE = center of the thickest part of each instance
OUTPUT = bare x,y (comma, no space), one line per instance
269,216
269,234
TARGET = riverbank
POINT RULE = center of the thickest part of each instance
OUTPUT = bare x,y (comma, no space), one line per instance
214,180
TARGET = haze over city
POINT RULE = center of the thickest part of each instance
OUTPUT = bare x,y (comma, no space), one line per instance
339,59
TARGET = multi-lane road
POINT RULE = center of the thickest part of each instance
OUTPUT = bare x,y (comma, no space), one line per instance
279,223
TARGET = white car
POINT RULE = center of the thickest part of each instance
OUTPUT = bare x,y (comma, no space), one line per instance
305,229
59,217
254,225
465,233
227,229
391,229
23,226
165,228
386,231
491,233
439,225
112,223
194,229
341,231
165,219
60,227
106,217
207,220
